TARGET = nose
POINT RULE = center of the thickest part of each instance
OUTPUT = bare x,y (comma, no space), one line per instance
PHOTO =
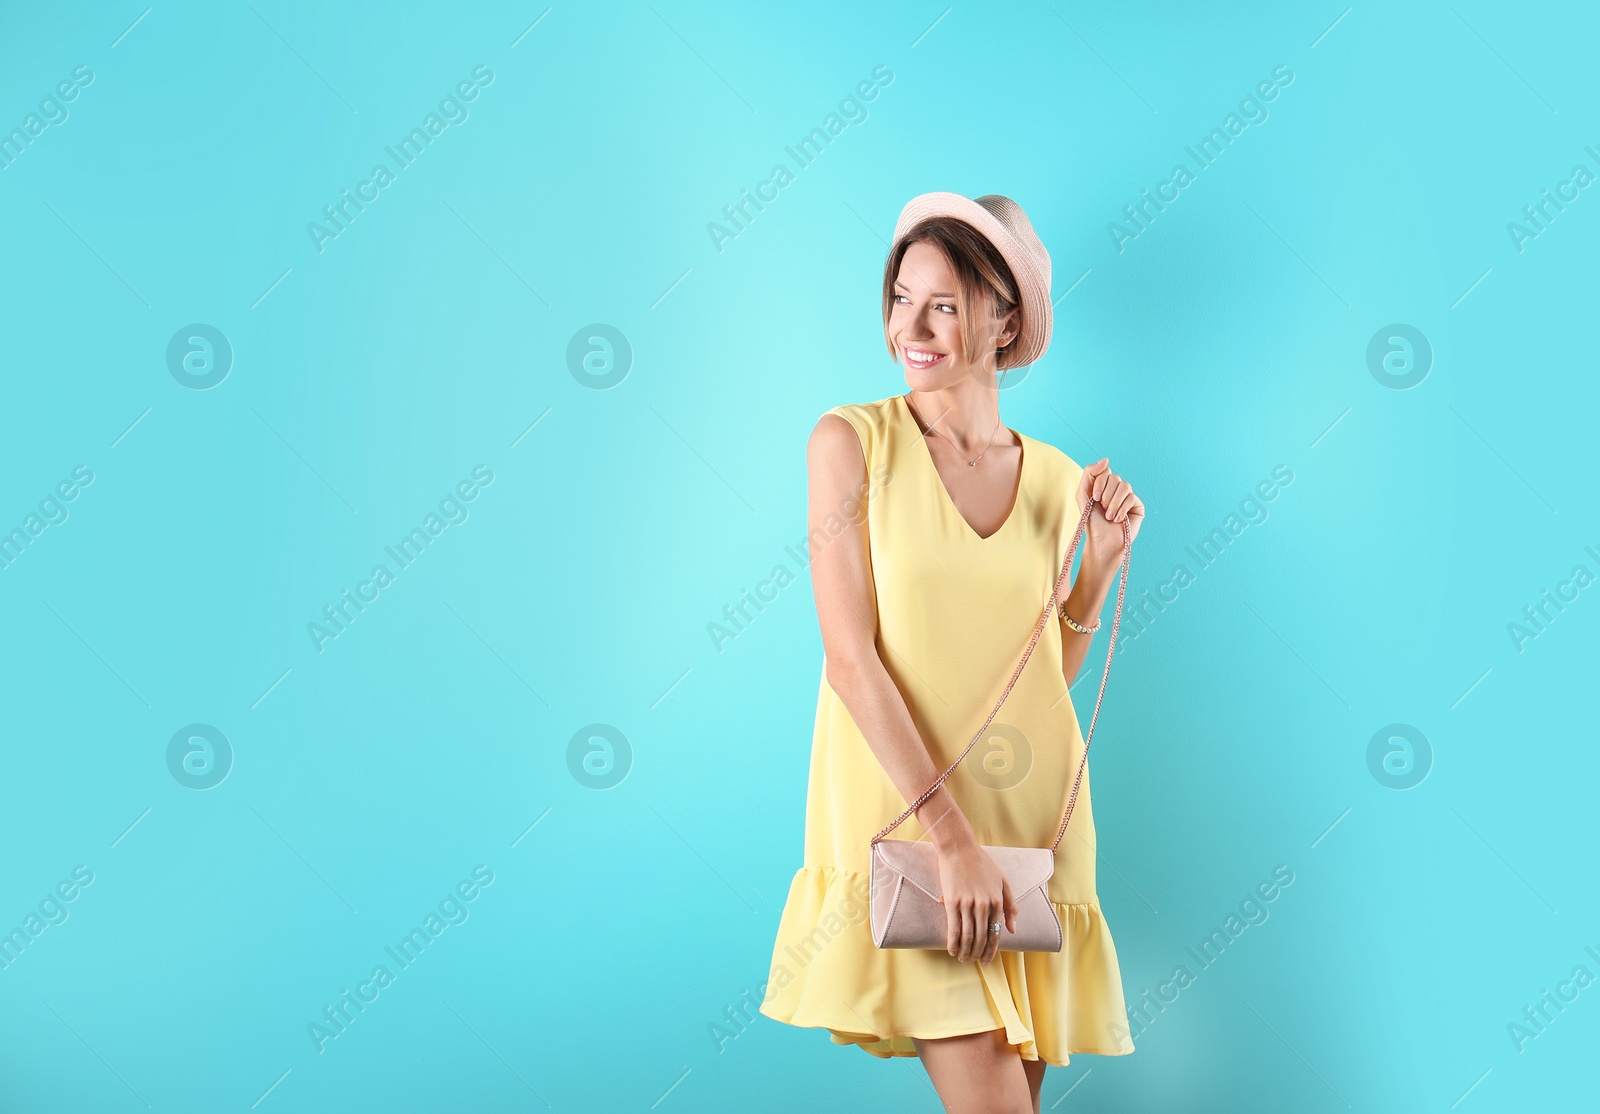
917,328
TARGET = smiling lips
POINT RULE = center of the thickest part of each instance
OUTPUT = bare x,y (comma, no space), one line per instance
922,358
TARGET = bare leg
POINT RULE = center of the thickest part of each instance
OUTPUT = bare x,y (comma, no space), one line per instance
1035,1073
977,1073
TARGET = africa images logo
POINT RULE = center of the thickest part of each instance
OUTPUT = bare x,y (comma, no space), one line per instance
852,110
452,112
1205,152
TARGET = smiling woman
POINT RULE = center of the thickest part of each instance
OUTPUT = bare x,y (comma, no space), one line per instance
985,288
924,605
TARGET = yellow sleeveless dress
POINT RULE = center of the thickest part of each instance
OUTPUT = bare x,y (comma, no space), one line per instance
954,613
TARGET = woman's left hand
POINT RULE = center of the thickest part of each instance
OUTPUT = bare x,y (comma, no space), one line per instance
1116,504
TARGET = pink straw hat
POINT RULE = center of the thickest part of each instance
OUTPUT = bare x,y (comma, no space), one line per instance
1006,226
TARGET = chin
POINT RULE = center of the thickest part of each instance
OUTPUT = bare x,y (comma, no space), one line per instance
930,379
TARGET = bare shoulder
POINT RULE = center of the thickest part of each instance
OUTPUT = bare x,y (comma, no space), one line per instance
834,444
848,436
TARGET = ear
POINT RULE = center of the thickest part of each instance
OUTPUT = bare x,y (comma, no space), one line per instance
1009,328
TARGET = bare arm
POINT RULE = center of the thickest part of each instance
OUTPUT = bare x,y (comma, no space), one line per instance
1102,557
841,578
1084,604
973,888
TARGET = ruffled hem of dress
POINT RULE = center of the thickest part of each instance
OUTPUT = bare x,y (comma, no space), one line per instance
827,973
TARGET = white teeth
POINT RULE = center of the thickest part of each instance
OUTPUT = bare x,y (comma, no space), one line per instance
923,359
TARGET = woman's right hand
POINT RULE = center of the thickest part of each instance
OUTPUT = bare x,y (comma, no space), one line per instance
975,895
847,610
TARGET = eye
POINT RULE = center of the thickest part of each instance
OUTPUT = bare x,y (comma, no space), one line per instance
901,299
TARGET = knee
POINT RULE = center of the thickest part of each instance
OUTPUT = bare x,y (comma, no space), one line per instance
997,1104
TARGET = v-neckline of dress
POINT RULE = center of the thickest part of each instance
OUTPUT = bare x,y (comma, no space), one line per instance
927,455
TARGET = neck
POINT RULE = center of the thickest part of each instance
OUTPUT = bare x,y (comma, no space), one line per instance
966,414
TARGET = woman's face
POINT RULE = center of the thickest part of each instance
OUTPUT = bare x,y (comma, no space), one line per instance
924,325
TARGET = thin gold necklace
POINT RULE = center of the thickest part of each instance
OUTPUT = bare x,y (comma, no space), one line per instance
973,463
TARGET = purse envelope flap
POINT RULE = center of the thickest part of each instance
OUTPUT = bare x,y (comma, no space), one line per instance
1026,868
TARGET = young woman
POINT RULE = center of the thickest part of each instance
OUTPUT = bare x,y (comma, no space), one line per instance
936,534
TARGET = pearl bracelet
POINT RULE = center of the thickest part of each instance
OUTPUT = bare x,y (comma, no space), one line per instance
1074,624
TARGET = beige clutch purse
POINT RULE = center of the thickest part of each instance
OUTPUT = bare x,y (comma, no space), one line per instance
904,873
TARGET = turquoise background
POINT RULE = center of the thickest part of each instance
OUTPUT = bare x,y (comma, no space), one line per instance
447,728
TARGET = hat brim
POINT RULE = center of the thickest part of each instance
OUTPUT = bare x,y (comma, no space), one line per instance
1034,288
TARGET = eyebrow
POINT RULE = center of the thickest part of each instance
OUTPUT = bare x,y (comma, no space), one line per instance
935,294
